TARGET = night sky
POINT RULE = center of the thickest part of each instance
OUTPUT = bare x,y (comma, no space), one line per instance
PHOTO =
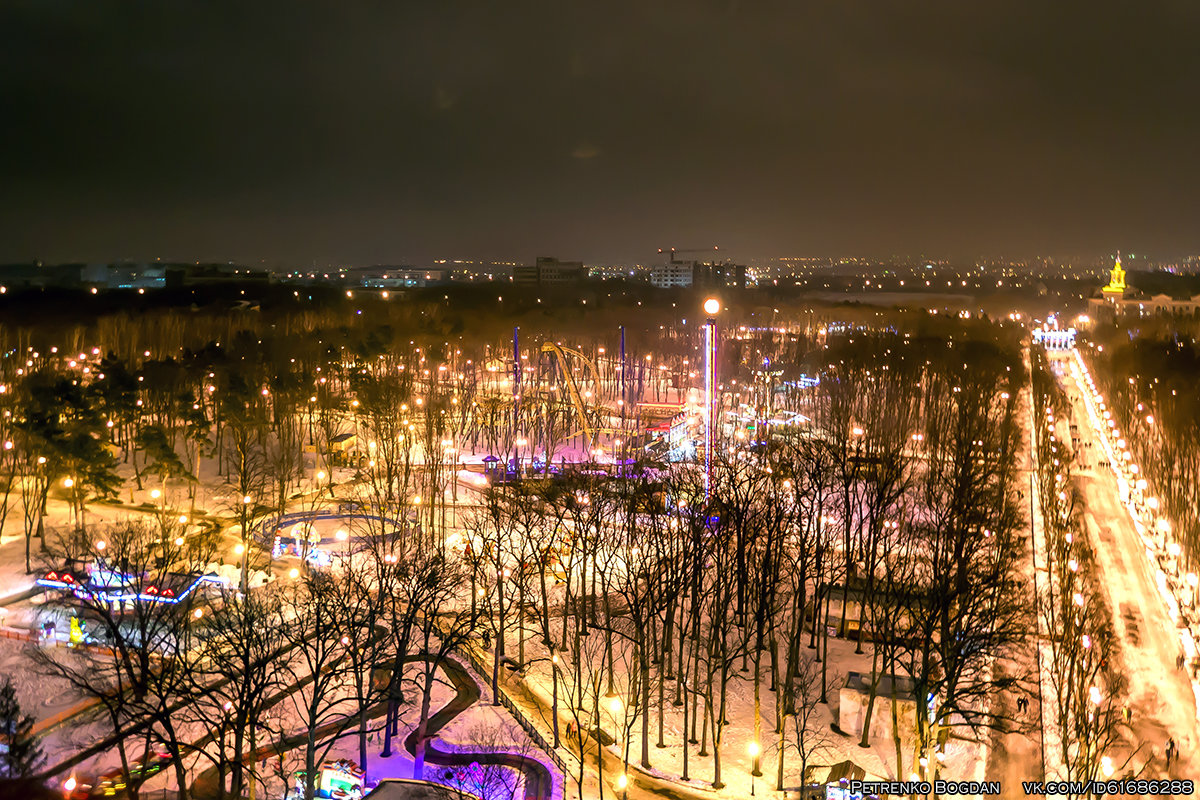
354,132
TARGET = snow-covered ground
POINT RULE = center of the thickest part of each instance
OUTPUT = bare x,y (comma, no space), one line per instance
965,760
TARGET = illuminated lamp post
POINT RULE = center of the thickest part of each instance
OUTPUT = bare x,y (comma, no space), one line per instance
712,307
70,484
520,442
1164,529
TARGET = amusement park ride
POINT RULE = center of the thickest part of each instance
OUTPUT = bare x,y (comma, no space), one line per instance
583,391
589,424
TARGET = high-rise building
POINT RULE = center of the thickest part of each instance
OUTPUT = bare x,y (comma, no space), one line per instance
698,274
549,270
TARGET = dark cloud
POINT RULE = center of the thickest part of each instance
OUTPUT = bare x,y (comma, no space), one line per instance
293,131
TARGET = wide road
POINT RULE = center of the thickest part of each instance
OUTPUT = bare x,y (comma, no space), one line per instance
1161,699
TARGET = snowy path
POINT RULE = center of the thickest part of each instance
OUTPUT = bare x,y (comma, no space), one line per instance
537,778
1018,754
539,784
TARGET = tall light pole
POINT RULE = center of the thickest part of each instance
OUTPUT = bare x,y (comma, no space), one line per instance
712,307
754,751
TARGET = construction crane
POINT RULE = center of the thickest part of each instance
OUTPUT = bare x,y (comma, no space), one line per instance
673,251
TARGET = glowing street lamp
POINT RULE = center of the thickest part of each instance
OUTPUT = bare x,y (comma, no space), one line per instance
712,307
344,537
755,771
519,443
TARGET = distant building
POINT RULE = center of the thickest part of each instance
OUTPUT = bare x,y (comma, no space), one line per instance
607,272
40,276
1116,282
698,274
719,275
672,275
396,277
127,275
135,276
549,271
180,275
1117,299
1136,303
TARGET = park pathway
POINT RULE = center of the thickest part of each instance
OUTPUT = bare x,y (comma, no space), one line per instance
539,783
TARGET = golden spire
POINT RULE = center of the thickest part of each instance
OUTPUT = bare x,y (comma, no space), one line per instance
1116,278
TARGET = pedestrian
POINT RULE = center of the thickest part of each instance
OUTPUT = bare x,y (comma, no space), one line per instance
1170,751
1127,712
1179,661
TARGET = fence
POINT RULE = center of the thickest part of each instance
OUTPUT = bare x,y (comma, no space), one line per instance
16,633
518,714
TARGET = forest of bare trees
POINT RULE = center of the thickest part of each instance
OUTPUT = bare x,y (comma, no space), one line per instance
640,601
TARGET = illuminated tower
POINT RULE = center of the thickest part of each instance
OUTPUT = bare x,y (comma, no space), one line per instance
1116,281
712,306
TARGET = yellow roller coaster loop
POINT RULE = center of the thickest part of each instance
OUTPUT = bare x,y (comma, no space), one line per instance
590,429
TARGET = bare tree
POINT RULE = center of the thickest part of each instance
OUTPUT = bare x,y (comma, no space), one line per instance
805,731
317,667
142,598
238,670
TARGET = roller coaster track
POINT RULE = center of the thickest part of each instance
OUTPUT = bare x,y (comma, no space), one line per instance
590,430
